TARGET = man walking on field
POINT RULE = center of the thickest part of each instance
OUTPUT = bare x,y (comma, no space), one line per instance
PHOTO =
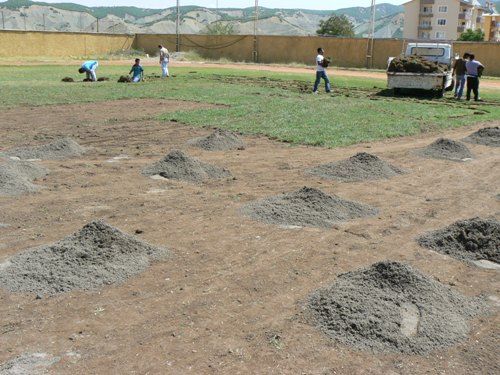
321,64
164,59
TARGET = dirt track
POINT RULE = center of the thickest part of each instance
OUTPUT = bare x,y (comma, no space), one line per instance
230,299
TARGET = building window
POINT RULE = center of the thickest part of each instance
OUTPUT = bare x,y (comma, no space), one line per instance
440,35
427,10
443,9
441,22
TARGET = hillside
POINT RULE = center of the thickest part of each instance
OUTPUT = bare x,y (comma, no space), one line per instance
34,15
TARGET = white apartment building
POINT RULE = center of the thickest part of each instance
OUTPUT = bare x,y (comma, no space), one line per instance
443,19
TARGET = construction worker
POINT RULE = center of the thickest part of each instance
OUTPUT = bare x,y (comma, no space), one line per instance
474,71
164,59
459,73
89,67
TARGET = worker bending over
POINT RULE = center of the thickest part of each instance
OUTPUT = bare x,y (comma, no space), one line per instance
89,67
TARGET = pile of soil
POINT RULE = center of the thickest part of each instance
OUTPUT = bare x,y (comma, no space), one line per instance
67,79
446,149
59,149
306,207
219,140
489,136
16,177
102,79
96,256
392,307
415,64
472,239
360,167
87,80
179,166
124,79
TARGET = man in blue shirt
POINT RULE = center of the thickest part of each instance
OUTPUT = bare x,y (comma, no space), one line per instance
474,70
89,68
137,71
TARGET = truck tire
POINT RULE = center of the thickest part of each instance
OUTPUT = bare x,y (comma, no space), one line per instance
397,91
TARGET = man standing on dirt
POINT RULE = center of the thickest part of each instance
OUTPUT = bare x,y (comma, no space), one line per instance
321,72
89,67
459,73
164,59
474,70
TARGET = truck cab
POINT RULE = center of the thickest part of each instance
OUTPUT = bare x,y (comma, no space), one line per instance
438,52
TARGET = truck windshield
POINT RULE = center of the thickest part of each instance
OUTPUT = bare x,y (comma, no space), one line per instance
427,51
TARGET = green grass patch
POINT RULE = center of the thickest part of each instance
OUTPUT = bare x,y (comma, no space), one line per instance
257,102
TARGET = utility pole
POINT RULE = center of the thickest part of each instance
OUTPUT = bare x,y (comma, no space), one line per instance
3,21
97,23
43,15
369,47
255,20
177,23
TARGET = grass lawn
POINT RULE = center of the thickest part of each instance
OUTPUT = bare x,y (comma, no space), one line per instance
257,102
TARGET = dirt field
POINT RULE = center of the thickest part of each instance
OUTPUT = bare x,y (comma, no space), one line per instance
230,299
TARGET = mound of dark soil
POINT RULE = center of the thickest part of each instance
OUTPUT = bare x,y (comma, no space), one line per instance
124,79
59,149
472,239
180,166
306,207
87,80
415,64
96,256
16,177
446,149
489,136
392,307
360,167
102,79
67,79
219,140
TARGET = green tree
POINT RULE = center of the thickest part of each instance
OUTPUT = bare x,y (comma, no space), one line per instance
336,25
472,36
219,28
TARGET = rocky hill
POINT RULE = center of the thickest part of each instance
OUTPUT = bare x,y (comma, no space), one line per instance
31,15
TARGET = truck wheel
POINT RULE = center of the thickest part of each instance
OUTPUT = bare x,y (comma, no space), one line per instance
397,91
440,93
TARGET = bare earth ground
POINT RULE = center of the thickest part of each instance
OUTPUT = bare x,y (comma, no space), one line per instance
230,299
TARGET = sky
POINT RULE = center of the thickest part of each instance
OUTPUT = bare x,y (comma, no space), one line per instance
309,4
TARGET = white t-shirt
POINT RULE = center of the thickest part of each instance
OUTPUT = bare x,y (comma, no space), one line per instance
319,63
471,67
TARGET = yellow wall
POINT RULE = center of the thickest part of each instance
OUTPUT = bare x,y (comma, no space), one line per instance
346,52
33,43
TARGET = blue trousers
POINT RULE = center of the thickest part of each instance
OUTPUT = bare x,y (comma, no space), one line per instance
323,75
459,85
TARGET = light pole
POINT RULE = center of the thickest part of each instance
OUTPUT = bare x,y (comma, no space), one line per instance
177,22
255,20
369,47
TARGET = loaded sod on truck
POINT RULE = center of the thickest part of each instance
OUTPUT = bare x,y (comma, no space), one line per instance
424,66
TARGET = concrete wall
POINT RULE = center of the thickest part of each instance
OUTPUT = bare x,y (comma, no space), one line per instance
346,52
60,44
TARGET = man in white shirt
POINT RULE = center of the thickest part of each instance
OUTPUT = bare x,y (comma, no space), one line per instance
164,59
321,72
474,70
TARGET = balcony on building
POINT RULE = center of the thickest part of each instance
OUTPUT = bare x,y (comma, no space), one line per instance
426,14
460,29
479,19
427,2
424,27
464,16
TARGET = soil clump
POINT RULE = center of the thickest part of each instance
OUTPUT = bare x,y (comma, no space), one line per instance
67,79
444,148
16,177
102,79
219,140
471,239
59,149
360,167
179,166
415,64
306,207
489,136
392,307
124,79
91,258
